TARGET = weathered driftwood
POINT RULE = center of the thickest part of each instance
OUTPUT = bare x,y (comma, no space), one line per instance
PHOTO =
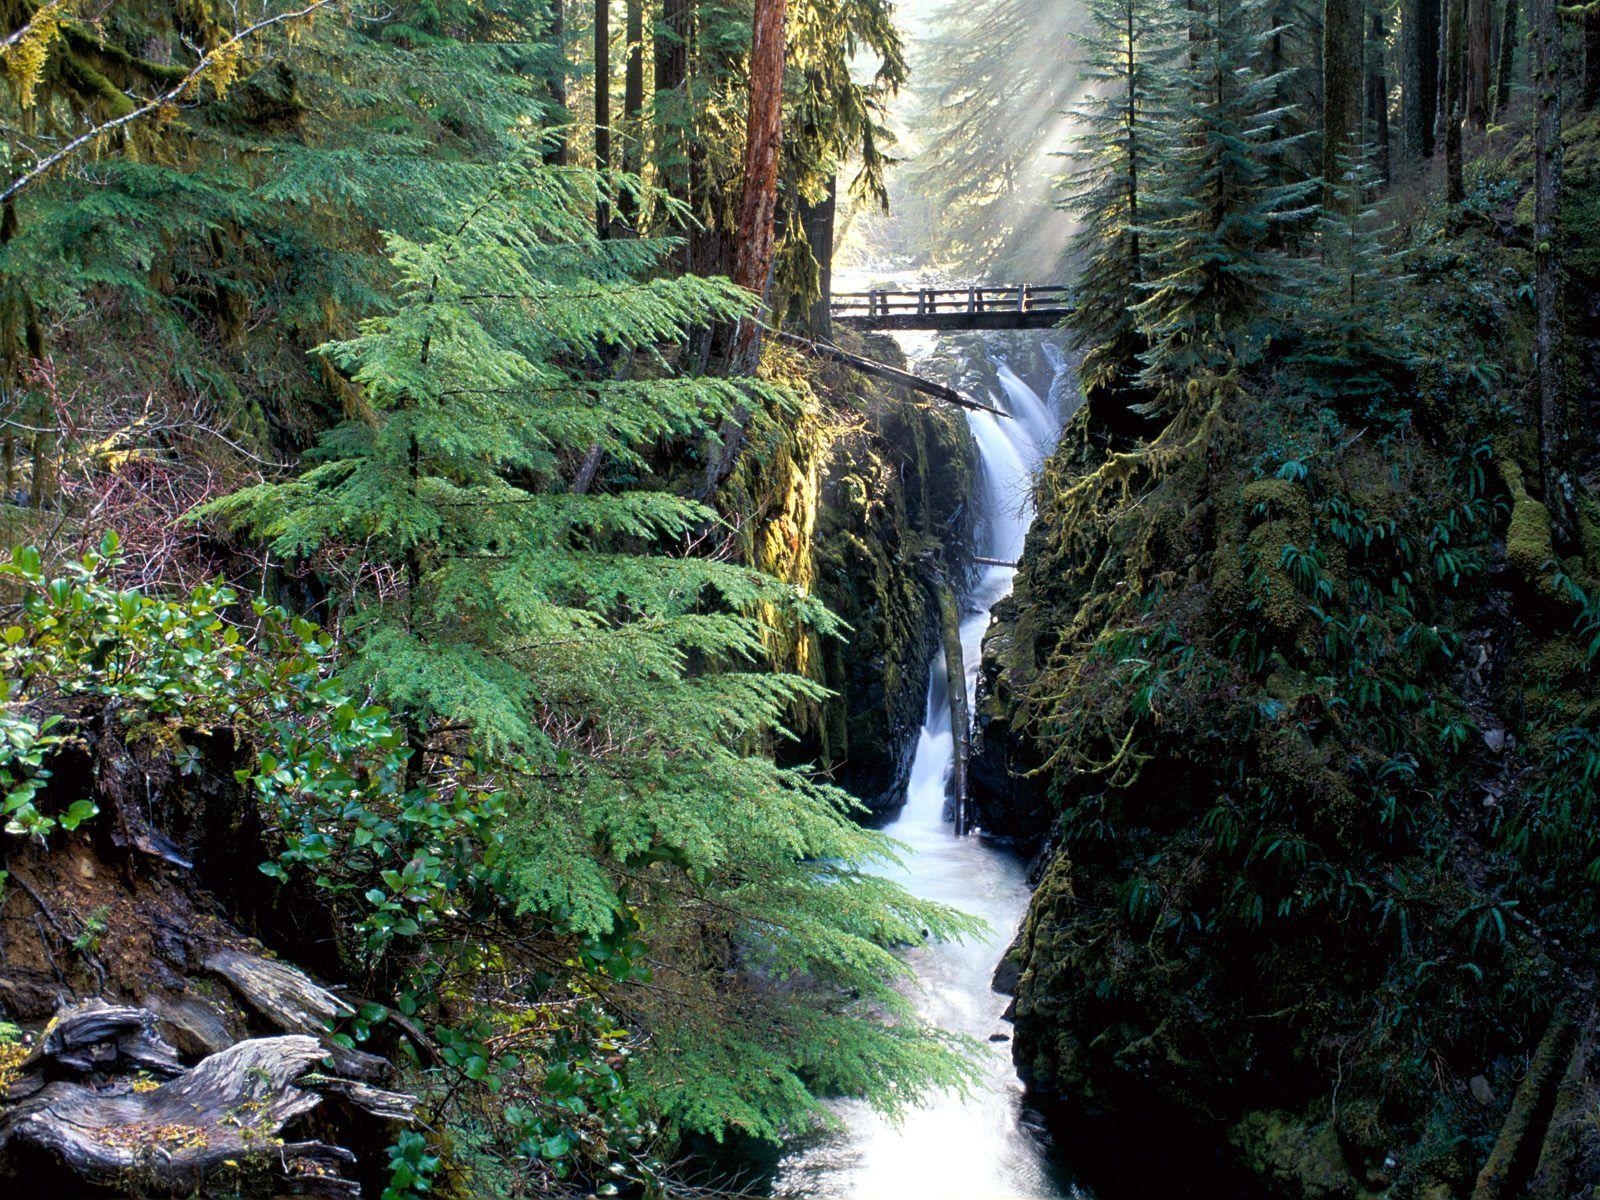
284,994
220,1121
289,998
229,1109
96,1037
196,1027
376,1102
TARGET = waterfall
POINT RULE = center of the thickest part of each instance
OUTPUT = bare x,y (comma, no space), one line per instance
972,1147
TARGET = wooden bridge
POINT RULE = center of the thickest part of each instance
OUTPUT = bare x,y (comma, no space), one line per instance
1030,306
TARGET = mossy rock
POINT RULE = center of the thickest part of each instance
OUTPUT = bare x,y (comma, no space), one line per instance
1295,1159
1529,543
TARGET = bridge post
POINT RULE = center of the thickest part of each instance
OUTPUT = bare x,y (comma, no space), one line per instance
922,302
972,300
1022,298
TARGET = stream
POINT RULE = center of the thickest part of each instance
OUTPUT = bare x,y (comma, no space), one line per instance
978,1146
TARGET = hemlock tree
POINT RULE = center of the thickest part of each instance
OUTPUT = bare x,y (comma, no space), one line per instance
611,685
1129,51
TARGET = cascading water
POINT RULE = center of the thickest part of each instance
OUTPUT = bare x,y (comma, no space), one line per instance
977,1146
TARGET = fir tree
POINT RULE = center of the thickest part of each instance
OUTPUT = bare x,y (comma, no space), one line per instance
616,684
1350,335
1128,54
1222,203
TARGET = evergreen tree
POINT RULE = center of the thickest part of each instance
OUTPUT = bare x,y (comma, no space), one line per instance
995,83
1351,344
611,686
1129,51
1222,205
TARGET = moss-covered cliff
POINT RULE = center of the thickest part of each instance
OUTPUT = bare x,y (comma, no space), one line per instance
1310,688
861,500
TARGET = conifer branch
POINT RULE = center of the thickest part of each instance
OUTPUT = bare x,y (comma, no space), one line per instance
209,59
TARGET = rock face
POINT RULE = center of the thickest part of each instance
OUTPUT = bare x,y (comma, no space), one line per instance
890,505
1008,800
1310,720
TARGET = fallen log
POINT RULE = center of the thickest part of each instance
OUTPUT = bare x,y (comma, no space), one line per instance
285,995
292,1001
1571,1123
99,1038
1516,1149
887,373
220,1120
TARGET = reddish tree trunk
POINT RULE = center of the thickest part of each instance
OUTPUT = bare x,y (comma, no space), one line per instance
758,212
1480,23
758,207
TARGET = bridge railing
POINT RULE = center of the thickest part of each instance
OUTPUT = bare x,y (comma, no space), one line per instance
931,301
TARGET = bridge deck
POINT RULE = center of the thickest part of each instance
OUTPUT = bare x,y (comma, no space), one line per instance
1030,306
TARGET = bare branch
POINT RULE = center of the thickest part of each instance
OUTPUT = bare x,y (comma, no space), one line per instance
171,95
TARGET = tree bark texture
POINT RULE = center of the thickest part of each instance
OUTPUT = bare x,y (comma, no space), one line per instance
1378,95
632,109
1546,37
758,206
1341,89
818,222
602,105
1450,101
758,214
560,150
1419,76
1508,57
1480,24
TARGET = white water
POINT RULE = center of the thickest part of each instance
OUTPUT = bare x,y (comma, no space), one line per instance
972,1147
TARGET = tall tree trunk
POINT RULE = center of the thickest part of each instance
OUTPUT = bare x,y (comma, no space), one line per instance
1378,93
559,150
1419,76
1130,119
1341,92
1455,189
818,222
1546,35
758,211
758,205
632,110
673,32
602,106
1480,22
1508,58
